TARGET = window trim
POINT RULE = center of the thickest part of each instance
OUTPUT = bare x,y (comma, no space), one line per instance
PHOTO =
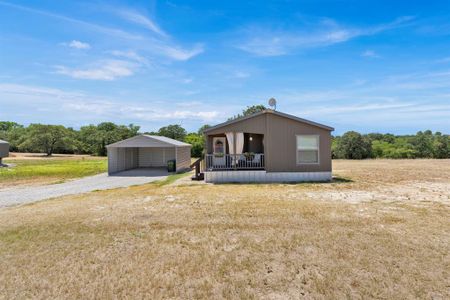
296,150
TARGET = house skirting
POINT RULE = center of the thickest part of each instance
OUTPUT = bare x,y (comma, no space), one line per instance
263,176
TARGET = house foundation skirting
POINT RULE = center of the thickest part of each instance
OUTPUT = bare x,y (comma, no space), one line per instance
263,176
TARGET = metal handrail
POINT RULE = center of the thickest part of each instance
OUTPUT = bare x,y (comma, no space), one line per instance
235,161
198,167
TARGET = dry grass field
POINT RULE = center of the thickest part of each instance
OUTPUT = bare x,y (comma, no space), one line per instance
381,230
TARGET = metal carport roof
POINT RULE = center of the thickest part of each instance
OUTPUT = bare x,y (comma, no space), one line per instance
150,141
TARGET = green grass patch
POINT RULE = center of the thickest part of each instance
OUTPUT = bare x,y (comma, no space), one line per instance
171,179
54,168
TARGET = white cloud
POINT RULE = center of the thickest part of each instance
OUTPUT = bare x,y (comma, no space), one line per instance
75,105
346,108
358,107
263,41
241,74
103,29
370,53
443,60
37,91
130,55
276,43
188,104
135,17
203,115
187,80
105,70
177,53
150,114
79,45
159,44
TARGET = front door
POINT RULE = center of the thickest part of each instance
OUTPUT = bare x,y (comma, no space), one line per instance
219,151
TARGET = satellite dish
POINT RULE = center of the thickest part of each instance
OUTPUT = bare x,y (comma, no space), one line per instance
273,103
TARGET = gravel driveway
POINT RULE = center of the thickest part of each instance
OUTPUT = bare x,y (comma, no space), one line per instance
21,195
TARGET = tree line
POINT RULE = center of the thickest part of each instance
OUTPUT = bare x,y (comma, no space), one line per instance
426,144
92,139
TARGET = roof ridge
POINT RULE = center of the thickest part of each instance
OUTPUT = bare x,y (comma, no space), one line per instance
272,111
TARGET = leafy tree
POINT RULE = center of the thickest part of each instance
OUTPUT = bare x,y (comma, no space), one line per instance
441,146
198,142
175,132
87,141
353,145
203,128
7,125
94,139
250,110
334,146
151,133
15,137
375,136
423,144
3,135
389,138
46,138
392,150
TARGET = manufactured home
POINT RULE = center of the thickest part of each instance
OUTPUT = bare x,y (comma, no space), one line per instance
268,146
148,151
4,150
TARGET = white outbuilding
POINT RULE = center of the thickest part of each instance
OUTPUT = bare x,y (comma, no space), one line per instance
4,150
148,151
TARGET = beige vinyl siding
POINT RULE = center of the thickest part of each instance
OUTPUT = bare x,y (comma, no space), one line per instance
4,149
183,158
252,125
155,157
280,143
121,159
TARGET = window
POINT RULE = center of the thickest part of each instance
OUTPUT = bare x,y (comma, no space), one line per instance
307,149
219,146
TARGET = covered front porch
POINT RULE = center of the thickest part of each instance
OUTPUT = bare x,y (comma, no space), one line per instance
234,151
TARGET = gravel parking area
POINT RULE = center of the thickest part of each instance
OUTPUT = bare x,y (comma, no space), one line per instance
20,195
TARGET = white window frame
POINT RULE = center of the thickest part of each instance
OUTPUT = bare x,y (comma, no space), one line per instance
296,150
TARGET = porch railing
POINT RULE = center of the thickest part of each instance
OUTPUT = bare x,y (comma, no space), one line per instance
249,161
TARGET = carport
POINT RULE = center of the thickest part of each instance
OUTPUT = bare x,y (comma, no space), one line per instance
147,151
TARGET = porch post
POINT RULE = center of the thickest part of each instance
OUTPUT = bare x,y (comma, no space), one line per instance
206,149
234,159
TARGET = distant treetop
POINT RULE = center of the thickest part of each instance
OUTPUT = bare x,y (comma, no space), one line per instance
250,110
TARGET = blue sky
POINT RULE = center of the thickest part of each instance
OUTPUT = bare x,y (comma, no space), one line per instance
370,66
